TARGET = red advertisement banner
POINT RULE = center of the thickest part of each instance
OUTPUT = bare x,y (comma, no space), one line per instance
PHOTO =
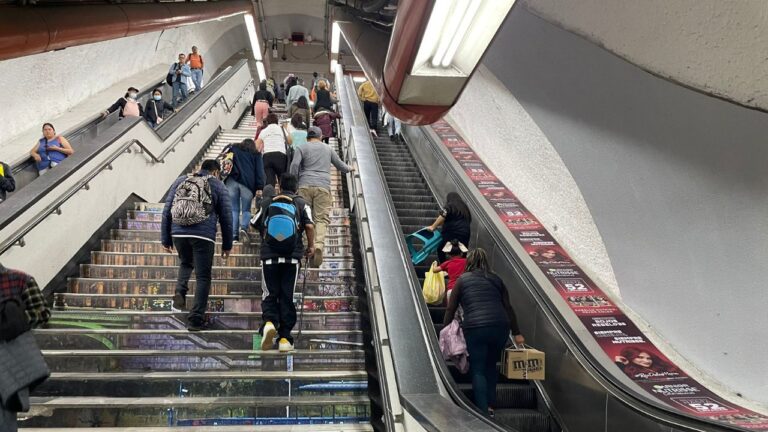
621,340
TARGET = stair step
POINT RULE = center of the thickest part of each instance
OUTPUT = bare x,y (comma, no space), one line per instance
211,383
168,287
314,427
216,303
331,273
523,420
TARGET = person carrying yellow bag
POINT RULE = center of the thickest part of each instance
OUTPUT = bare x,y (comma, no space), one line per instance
434,286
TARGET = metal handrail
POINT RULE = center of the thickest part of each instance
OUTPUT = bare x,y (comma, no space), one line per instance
55,207
79,128
443,375
357,204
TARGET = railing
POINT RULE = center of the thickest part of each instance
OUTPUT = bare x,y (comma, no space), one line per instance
17,238
24,168
420,378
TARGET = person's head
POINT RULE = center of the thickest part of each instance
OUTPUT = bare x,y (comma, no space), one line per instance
314,133
263,85
49,131
282,86
194,50
248,145
212,166
456,248
272,119
132,93
302,103
322,85
157,94
268,192
454,201
298,122
314,74
477,259
182,58
289,183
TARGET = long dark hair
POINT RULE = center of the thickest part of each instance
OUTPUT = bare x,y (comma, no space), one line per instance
477,259
302,103
454,204
263,85
248,145
297,121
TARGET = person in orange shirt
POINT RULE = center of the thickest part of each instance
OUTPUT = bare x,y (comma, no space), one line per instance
196,63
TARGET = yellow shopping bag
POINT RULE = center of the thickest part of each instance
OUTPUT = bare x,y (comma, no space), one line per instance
434,286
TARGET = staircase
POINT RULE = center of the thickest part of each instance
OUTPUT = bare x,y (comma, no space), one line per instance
120,358
518,404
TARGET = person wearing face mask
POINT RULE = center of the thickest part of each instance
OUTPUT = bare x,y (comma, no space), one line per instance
128,105
156,108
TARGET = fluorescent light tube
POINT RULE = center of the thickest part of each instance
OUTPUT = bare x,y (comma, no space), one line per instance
250,25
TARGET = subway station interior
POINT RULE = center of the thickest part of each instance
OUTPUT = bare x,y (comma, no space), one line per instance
608,151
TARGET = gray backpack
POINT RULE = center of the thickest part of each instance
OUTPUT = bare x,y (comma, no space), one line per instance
192,201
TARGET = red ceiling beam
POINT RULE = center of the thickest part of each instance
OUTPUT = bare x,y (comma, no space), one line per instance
26,30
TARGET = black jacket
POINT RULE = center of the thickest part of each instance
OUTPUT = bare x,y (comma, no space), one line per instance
261,95
484,300
324,100
120,104
305,216
7,182
156,109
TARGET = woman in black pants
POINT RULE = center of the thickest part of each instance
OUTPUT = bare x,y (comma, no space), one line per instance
455,220
273,146
488,318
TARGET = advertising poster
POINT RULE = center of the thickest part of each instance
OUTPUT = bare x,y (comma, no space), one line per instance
614,332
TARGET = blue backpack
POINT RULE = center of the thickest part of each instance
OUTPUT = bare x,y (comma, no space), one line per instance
281,224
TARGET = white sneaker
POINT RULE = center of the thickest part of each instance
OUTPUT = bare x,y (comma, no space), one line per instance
268,336
284,345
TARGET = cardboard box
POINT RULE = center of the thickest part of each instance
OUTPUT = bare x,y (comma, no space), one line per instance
526,364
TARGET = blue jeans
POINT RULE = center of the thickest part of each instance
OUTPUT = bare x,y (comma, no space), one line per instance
179,89
485,345
394,126
241,198
197,78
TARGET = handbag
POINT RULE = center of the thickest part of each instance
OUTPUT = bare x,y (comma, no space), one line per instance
288,151
434,286
13,319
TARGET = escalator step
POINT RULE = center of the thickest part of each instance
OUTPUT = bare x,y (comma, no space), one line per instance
517,395
523,420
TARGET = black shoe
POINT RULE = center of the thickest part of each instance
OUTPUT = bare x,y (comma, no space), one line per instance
196,327
179,303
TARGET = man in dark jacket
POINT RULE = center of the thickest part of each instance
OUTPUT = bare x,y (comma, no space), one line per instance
7,183
195,244
22,366
280,270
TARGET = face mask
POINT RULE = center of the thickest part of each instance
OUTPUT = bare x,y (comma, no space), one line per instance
157,97
132,95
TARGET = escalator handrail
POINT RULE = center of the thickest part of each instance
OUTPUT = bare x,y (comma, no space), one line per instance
582,353
79,129
54,207
414,290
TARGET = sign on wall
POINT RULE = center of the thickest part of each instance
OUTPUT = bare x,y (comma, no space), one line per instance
617,335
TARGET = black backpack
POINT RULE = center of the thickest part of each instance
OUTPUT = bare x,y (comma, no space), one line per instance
282,225
13,319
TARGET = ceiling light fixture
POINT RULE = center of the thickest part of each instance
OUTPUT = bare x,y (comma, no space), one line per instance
250,25
457,34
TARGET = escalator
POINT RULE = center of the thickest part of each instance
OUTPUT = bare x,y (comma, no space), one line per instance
121,358
518,404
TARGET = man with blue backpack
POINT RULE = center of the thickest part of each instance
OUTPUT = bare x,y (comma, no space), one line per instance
281,220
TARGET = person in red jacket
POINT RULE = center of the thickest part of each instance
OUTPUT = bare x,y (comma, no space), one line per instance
454,265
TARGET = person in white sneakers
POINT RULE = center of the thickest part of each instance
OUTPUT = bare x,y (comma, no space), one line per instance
281,220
